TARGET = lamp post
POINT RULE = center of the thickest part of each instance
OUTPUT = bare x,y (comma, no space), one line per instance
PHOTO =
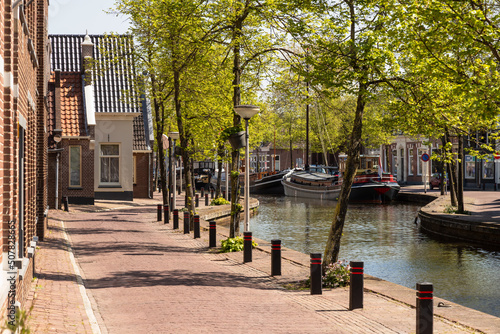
246,112
173,172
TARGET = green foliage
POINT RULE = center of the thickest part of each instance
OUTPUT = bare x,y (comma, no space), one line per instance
337,275
21,323
234,245
219,201
230,131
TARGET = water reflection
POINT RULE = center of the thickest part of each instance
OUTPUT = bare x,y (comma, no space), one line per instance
385,237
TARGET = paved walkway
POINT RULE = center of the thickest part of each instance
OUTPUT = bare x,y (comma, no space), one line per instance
142,276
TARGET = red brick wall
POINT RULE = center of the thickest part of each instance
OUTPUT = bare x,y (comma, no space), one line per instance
143,165
87,189
21,98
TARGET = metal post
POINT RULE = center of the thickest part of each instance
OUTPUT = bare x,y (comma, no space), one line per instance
211,193
166,213
186,222
247,180
206,199
212,235
176,219
247,246
158,215
197,201
316,279
424,308
65,202
356,288
203,191
196,226
275,257
224,194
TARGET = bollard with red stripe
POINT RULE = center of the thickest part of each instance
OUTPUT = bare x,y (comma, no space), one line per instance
206,199
316,275
275,257
186,222
176,219
247,247
197,200
356,288
212,235
196,226
166,213
425,292
158,216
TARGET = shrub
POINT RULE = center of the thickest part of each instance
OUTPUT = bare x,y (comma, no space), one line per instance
337,275
234,245
219,201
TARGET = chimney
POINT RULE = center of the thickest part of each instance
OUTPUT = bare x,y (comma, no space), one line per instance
87,56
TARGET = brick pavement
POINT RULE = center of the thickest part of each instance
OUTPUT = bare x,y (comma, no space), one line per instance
145,277
142,276
57,305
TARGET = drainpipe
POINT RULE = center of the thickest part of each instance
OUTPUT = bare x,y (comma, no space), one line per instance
57,181
150,195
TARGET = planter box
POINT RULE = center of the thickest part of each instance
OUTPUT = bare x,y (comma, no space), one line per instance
237,140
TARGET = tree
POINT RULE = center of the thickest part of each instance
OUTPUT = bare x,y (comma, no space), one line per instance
349,56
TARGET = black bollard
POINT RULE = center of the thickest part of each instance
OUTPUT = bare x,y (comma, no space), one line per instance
212,235
171,201
202,191
206,199
316,279
186,222
424,308
179,190
211,193
356,288
176,219
224,194
275,257
196,226
197,200
166,213
158,216
247,247
65,202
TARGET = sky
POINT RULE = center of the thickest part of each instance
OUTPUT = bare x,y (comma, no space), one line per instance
78,16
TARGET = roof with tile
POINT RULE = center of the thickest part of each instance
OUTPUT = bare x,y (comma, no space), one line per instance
114,70
72,113
113,83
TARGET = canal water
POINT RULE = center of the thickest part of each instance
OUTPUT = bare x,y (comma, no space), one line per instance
389,243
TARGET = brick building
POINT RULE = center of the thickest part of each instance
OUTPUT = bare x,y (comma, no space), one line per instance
24,51
100,131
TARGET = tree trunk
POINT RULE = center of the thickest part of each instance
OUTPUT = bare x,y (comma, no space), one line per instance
332,248
160,127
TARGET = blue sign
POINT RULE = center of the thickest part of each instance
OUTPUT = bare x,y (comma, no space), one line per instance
425,157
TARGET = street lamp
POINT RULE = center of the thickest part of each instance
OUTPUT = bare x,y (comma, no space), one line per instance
246,112
174,136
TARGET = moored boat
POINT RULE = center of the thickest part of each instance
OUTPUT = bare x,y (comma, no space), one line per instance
267,183
311,185
371,187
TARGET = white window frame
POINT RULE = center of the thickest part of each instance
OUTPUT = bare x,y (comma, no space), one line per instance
110,156
79,185
134,176
410,161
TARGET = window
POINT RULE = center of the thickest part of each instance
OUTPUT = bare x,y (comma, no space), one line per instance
488,169
75,166
411,168
110,163
470,167
420,165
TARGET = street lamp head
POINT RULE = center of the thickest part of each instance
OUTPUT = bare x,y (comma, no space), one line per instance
174,135
246,111
57,135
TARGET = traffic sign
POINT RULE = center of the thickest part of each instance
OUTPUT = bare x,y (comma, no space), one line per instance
496,155
425,157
